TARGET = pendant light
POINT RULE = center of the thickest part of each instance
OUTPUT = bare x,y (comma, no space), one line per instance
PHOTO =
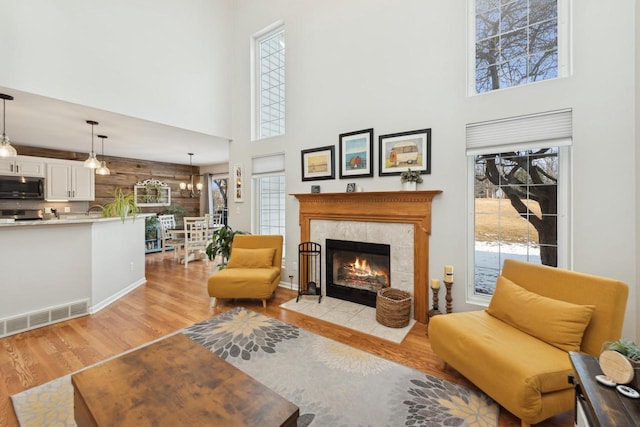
189,186
92,162
6,150
103,169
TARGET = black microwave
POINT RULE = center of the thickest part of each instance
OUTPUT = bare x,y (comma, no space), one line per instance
21,187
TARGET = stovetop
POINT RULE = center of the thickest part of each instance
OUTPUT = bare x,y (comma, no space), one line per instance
21,214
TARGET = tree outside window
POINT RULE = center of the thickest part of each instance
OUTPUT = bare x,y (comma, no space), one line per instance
516,211
516,42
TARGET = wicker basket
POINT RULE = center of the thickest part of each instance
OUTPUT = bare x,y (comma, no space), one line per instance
393,307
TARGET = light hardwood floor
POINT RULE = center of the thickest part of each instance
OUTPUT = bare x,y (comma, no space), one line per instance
173,298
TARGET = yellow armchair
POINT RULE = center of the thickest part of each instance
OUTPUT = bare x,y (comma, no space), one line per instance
252,272
516,350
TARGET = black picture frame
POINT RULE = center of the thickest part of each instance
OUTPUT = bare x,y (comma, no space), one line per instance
318,163
356,154
399,152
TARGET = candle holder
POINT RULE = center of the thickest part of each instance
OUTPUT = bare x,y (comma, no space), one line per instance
448,296
434,311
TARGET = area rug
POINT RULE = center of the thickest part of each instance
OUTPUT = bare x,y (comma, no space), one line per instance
354,316
333,384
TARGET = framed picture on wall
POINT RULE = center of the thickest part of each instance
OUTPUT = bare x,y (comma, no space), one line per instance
356,154
238,190
402,151
317,163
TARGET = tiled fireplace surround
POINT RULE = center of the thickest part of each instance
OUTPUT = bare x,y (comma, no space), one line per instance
400,219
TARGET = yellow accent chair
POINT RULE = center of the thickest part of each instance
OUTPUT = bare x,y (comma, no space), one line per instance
517,350
252,272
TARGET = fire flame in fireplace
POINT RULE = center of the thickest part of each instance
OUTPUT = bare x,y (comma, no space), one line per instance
360,270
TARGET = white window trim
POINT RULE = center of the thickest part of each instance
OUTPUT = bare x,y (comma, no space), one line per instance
255,85
564,224
565,54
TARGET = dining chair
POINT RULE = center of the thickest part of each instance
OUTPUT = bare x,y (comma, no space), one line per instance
196,233
168,223
214,222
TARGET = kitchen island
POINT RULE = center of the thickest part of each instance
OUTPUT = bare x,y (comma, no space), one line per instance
58,269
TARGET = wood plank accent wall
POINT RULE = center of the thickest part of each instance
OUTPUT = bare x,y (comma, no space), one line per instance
412,207
126,172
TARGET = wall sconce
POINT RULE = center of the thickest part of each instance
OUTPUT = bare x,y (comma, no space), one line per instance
188,187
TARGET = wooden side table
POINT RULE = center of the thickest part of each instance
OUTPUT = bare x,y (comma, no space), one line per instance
596,404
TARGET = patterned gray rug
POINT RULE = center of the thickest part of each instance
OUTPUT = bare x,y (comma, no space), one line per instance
333,384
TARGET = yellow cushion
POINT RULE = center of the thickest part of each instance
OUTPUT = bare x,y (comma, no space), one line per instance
514,368
555,322
251,258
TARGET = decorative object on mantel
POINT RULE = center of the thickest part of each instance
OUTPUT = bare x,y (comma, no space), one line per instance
92,162
189,187
410,179
103,169
400,151
152,192
448,282
6,149
123,205
351,187
315,188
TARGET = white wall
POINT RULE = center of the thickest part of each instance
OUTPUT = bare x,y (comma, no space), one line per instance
160,60
398,66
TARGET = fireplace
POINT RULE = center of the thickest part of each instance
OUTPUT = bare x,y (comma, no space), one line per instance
382,207
356,271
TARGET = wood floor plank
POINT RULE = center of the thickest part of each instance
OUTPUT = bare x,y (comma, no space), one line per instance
173,298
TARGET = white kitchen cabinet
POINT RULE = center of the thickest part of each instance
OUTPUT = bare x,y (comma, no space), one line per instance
69,180
23,165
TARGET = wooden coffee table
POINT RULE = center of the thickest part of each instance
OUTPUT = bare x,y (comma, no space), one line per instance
174,382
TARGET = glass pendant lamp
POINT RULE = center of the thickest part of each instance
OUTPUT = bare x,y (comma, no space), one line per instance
92,162
6,149
103,169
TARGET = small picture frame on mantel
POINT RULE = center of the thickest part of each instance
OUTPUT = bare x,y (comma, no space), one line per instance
315,189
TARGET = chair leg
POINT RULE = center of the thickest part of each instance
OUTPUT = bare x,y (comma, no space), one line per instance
214,302
523,424
264,303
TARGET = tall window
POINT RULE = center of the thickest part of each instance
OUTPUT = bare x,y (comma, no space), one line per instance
519,193
517,42
270,78
269,193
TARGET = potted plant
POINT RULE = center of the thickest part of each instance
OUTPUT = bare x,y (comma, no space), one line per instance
177,211
123,205
151,227
628,349
221,244
410,179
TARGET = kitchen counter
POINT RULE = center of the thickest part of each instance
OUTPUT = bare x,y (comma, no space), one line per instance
67,219
49,266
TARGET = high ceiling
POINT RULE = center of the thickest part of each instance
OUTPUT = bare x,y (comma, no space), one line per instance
38,121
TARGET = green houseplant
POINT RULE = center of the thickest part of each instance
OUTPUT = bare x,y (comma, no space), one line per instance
625,347
410,176
123,205
221,244
151,227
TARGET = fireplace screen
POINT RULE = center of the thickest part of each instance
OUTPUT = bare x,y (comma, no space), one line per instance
356,271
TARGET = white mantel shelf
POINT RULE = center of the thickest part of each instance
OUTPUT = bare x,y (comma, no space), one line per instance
412,207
